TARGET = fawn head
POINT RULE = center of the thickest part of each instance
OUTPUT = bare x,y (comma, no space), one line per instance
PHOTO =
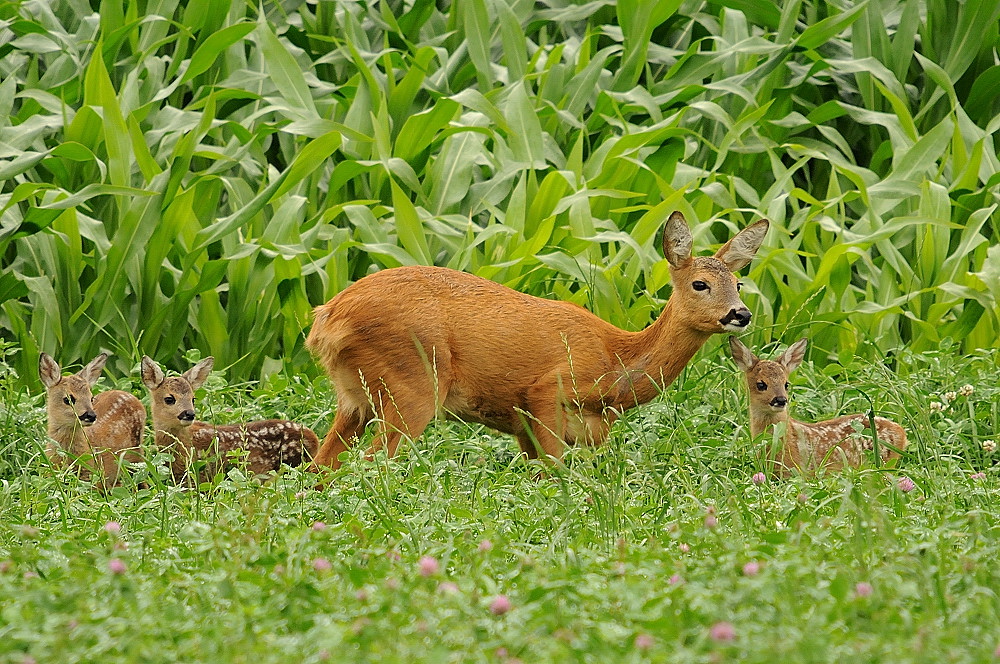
767,380
705,288
172,398
69,397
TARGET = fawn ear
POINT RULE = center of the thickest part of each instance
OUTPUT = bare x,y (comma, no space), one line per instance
677,240
740,250
152,374
92,371
199,373
745,359
48,370
793,356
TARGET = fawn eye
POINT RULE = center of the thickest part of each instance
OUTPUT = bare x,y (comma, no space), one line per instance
786,386
169,400
699,285
69,400
739,285
761,385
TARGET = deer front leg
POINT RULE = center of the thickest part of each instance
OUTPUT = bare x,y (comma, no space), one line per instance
546,425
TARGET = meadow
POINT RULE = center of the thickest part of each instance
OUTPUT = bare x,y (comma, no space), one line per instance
659,546
182,179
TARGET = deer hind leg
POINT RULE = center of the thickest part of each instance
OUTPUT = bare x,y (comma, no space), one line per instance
348,425
402,411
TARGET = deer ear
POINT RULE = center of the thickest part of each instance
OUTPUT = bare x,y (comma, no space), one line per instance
152,374
49,370
745,359
199,373
793,356
677,240
92,371
740,250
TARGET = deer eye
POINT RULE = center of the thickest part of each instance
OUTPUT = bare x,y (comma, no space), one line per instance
786,386
169,400
69,400
699,285
739,285
761,385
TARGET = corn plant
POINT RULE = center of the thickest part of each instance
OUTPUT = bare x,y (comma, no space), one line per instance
199,175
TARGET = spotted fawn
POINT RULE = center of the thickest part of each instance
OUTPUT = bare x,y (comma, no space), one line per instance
842,441
268,443
100,431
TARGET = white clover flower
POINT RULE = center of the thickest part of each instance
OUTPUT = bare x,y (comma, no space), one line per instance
989,446
948,397
936,407
966,390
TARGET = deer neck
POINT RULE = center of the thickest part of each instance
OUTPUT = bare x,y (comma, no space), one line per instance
764,420
66,434
169,433
652,359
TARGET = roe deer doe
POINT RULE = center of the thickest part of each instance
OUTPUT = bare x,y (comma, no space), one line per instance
406,344
834,443
268,443
107,427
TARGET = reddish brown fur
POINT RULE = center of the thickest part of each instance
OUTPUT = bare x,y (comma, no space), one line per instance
115,434
267,443
832,444
407,344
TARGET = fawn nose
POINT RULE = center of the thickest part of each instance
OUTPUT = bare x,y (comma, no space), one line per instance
186,416
738,317
779,402
88,417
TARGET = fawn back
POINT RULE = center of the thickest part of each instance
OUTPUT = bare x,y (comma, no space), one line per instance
107,428
842,441
268,443
405,345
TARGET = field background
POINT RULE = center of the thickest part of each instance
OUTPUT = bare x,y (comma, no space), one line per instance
182,179
199,175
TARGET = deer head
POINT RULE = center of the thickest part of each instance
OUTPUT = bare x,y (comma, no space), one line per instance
69,398
173,396
705,288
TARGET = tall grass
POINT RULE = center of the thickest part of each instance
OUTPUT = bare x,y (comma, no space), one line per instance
199,175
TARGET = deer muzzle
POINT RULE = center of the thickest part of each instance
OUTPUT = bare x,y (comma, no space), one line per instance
88,417
736,319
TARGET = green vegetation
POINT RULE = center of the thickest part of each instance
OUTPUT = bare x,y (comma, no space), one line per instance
596,561
183,179
199,175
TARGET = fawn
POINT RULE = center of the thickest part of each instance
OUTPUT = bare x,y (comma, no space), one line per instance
269,443
107,427
834,443
406,344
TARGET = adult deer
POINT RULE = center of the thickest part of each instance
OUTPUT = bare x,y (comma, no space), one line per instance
101,431
268,443
843,441
406,344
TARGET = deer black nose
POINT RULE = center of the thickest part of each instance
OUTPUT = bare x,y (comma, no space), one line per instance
186,416
779,402
88,417
739,317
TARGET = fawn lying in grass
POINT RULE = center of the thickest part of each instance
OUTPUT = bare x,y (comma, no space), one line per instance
842,441
407,344
107,427
268,443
